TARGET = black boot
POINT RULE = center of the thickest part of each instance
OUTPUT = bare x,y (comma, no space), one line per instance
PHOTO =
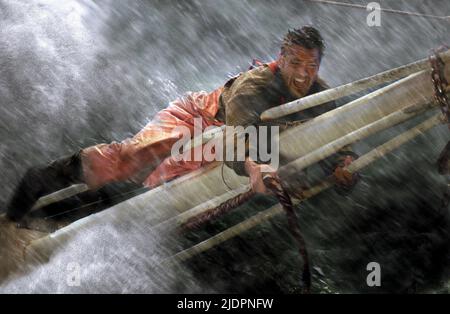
40,181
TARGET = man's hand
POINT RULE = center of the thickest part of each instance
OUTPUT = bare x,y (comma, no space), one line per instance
256,172
344,179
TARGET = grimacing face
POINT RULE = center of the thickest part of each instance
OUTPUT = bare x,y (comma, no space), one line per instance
299,67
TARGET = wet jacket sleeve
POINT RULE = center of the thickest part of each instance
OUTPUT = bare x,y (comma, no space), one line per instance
243,108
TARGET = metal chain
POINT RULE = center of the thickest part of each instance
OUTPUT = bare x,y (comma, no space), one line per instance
439,83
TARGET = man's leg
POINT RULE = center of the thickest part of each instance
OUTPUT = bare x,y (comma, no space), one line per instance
150,149
95,166
106,163
199,105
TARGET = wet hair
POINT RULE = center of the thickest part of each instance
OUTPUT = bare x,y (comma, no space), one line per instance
307,37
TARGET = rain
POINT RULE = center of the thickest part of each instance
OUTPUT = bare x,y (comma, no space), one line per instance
78,73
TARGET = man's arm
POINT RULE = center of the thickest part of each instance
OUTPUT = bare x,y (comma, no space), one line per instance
336,164
243,106
244,103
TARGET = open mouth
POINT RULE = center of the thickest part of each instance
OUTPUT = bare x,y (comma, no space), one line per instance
300,83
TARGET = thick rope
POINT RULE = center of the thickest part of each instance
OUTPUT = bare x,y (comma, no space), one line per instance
274,185
439,81
215,212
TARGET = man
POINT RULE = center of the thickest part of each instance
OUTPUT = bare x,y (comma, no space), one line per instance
145,158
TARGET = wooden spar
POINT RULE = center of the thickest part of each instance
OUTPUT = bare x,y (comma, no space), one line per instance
59,195
350,138
348,89
182,218
267,214
414,90
204,137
